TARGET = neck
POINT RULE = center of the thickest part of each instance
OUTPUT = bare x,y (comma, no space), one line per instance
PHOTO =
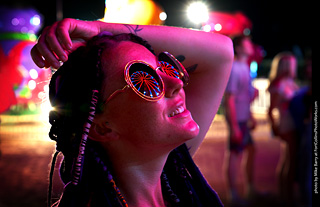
137,175
140,187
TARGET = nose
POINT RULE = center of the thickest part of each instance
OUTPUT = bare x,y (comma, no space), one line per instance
172,85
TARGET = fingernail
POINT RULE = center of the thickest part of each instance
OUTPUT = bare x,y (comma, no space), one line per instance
41,64
56,65
69,46
64,58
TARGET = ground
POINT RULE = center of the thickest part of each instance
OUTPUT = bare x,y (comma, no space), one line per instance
26,153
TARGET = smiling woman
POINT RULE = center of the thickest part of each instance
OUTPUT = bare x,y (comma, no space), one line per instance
128,121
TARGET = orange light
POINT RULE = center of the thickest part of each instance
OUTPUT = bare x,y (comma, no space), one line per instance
132,12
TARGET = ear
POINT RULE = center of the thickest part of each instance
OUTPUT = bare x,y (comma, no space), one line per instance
102,132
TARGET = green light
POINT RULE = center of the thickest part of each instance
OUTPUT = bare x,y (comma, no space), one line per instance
17,36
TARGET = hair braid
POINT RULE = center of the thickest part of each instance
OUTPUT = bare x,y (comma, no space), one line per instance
72,111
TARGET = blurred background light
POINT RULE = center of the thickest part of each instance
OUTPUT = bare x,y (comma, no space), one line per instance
198,12
20,79
253,69
35,20
217,27
141,12
32,84
247,31
163,16
226,23
33,73
206,28
15,21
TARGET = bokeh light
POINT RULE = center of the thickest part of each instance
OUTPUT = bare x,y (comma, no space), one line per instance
33,73
32,84
163,16
217,27
35,20
198,12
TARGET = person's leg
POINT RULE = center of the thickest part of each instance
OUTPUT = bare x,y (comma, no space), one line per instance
232,168
248,161
232,173
248,166
290,168
281,170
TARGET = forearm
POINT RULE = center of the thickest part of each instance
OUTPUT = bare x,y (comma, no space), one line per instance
196,46
63,37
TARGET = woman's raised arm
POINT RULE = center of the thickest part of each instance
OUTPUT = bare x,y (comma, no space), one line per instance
209,57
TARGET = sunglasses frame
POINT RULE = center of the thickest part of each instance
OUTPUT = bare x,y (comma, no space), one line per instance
129,81
163,56
169,58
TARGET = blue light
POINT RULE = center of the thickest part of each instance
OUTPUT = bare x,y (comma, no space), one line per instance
253,69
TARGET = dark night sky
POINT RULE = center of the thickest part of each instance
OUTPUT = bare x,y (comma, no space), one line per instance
277,24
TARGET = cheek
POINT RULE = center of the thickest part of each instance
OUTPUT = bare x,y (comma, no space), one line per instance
136,118
143,128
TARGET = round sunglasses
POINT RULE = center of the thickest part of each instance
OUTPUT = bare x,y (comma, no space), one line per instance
146,82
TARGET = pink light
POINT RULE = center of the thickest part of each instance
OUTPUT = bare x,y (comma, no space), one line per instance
228,23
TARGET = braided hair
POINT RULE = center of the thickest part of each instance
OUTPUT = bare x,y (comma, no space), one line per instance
74,94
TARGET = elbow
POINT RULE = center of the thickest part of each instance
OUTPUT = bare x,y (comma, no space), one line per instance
222,46
228,50
226,55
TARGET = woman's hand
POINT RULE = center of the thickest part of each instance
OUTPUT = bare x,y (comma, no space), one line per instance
58,40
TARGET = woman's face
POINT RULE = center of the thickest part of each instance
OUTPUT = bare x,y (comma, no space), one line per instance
166,122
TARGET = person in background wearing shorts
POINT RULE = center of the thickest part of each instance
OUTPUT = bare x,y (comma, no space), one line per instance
237,98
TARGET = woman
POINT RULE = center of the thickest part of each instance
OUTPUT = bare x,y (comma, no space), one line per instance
140,141
282,88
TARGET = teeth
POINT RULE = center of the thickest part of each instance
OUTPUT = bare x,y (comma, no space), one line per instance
179,110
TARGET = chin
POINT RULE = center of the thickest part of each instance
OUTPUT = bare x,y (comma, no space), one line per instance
191,130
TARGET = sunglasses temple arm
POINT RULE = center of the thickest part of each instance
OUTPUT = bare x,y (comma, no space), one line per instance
117,92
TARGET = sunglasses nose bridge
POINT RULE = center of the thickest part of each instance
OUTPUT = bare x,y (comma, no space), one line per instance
157,68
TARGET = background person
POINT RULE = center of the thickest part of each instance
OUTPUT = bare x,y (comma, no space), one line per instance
237,98
282,88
